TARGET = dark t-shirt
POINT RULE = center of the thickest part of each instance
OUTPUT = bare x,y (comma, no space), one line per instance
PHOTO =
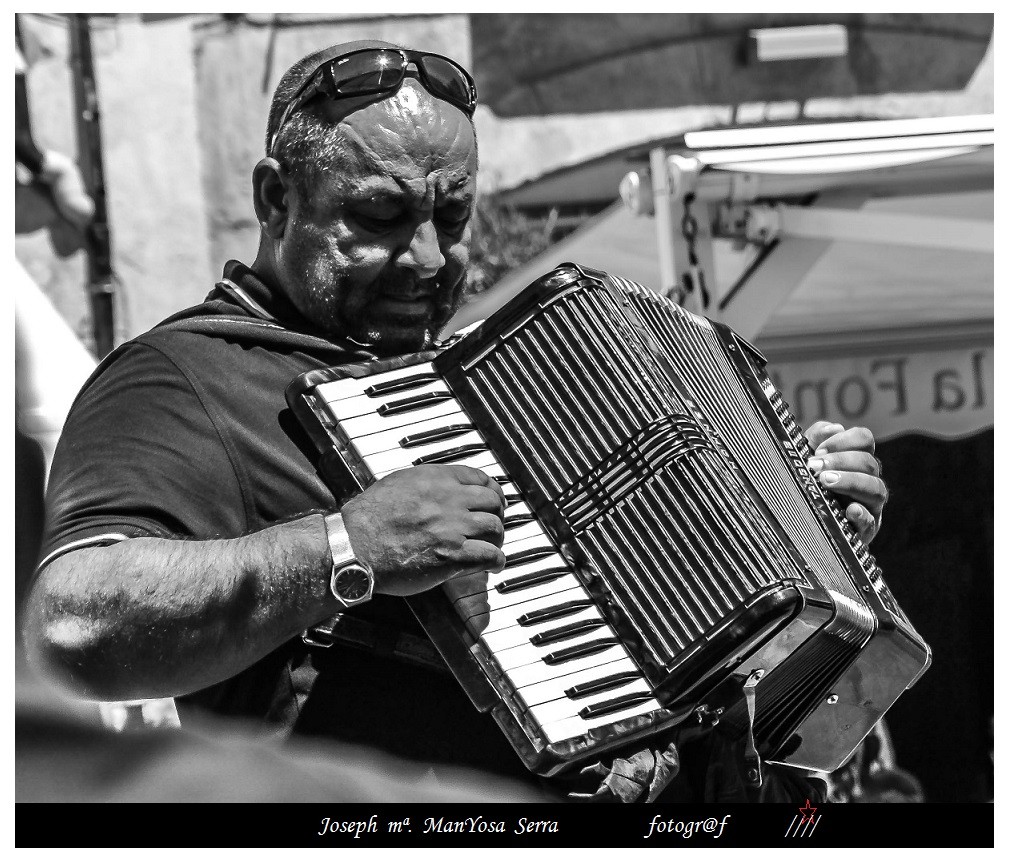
185,433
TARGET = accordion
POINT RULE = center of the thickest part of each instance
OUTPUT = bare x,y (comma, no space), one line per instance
671,563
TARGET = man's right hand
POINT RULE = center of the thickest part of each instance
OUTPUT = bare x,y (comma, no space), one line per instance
422,526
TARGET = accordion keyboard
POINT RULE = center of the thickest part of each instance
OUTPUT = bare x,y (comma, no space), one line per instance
558,658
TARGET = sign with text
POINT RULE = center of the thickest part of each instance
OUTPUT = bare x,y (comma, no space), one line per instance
938,392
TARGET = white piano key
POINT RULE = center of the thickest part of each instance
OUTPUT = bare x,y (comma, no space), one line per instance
485,461
519,539
485,583
390,410
553,568
502,617
357,405
520,655
481,613
509,489
390,438
558,731
549,690
567,708
510,637
513,574
537,672
517,510
352,386
540,559
366,425
392,460
520,533
497,600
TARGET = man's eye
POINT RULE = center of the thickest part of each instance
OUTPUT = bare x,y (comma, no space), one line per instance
452,222
378,223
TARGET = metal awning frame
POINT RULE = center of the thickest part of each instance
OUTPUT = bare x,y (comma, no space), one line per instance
793,192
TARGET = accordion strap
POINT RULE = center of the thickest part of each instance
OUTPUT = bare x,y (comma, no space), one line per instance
377,638
751,758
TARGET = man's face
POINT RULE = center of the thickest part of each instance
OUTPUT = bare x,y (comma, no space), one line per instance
379,249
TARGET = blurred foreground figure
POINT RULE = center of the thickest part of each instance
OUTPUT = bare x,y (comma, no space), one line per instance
64,754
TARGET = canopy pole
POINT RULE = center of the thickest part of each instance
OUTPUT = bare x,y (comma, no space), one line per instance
665,222
101,280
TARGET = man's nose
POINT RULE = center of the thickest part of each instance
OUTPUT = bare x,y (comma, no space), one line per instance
423,255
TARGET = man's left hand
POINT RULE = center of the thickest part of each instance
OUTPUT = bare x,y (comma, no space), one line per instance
844,463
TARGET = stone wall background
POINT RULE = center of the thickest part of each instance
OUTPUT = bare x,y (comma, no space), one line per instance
183,114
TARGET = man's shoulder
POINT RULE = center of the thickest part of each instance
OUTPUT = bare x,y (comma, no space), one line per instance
210,319
175,340
218,321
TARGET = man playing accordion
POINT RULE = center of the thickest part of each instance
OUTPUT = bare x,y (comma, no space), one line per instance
190,540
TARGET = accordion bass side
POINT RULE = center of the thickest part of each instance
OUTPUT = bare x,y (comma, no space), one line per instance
670,560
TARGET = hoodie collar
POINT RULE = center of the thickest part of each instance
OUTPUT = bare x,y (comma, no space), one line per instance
241,287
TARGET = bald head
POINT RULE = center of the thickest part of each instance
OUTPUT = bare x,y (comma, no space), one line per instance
309,140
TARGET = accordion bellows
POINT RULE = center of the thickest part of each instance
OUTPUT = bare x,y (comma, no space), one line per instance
671,561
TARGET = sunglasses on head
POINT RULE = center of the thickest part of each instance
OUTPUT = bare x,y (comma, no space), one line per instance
381,70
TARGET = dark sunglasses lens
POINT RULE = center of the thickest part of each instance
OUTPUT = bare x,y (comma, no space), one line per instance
448,81
367,73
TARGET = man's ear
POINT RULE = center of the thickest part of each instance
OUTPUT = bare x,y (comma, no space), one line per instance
271,189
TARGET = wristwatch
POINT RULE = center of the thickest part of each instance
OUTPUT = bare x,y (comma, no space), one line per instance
350,581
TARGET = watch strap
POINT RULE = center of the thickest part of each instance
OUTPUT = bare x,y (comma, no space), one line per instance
339,542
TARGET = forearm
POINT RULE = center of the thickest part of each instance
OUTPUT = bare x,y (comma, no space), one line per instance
151,617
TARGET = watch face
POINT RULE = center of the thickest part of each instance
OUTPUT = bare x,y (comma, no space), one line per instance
352,583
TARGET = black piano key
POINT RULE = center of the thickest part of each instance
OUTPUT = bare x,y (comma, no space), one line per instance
513,499
550,613
603,684
436,435
547,575
614,705
585,649
529,555
566,631
449,454
415,402
517,519
408,382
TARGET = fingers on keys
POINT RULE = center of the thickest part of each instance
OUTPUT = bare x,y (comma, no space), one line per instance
860,461
479,556
479,479
833,438
866,489
866,524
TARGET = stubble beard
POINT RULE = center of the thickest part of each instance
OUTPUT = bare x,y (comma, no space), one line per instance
325,308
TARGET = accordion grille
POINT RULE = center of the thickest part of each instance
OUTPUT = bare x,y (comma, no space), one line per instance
687,341
652,508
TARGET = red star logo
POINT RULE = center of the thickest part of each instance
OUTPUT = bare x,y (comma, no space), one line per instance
807,811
